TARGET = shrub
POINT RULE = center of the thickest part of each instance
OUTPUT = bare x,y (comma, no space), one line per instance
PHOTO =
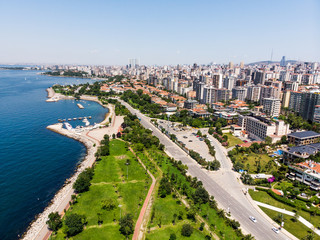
186,230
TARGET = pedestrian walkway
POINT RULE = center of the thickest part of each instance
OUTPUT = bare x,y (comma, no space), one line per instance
301,219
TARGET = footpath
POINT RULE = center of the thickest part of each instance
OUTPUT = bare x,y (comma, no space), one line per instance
301,219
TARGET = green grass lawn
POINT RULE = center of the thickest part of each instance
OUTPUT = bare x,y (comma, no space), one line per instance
252,160
110,181
165,208
264,197
232,140
296,228
164,232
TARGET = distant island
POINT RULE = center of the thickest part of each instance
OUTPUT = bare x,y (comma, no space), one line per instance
14,68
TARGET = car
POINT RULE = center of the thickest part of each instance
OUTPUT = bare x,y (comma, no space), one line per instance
201,139
185,137
245,141
276,230
190,140
253,219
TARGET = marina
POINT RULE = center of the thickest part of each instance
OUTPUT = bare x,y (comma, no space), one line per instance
74,119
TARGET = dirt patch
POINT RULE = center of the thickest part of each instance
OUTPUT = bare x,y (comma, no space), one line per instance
121,157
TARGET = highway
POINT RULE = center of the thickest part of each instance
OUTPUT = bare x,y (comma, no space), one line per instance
223,185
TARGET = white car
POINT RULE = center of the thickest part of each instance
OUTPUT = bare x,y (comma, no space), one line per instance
253,219
276,230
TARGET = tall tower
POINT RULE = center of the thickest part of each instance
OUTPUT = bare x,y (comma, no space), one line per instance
283,62
230,64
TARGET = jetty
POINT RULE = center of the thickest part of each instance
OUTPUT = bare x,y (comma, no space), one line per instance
80,106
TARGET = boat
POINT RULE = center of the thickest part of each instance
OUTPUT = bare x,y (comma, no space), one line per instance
85,120
80,106
68,126
80,118
69,119
74,118
59,120
89,117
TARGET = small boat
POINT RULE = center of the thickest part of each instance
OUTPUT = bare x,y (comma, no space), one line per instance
80,118
74,118
68,126
59,120
69,119
64,120
89,117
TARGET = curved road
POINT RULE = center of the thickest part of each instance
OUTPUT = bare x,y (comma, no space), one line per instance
223,185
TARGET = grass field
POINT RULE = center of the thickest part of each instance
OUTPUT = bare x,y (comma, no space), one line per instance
252,161
232,140
296,228
166,207
264,197
110,181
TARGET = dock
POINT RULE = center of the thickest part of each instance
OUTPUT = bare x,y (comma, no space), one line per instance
80,106
75,118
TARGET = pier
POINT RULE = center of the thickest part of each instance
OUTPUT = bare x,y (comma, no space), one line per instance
73,119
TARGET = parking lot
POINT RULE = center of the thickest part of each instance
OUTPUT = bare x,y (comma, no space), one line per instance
189,137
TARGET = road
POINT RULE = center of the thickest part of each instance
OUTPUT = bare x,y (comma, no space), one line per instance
223,185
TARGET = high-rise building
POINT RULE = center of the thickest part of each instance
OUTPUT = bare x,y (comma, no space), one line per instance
209,95
133,63
254,93
295,101
309,102
230,64
286,98
271,107
239,93
229,83
241,64
283,61
217,80
258,77
223,94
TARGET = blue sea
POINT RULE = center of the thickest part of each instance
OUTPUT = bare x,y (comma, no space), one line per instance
34,162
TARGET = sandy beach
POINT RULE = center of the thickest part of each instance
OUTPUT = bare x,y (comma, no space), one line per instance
91,139
54,97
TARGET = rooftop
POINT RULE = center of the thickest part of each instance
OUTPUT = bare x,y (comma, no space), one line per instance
304,134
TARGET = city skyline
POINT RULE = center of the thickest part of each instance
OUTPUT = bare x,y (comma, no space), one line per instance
163,33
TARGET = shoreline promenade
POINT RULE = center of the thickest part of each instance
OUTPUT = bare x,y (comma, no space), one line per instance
38,229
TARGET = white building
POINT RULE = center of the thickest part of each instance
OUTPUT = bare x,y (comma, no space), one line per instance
259,128
271,106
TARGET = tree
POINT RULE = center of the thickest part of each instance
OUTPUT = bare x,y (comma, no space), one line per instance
164,188
214,165
201,196
54,222
268,140
173,236
74,224
126,225
108,204
186,230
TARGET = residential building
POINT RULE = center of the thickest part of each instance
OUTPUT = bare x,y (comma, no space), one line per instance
239,93
295,101
259,128
308,102
303,138
253,93
307,172
190,104
271,107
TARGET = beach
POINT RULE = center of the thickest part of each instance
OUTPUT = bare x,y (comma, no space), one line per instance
91,139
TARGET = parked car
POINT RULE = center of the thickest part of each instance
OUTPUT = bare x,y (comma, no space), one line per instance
253,219
190,140
276,230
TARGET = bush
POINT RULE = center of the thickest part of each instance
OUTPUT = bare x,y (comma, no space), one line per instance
54,222
82,183
74,223
126,225
186,230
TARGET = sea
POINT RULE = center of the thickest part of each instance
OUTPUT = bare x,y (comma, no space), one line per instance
35,162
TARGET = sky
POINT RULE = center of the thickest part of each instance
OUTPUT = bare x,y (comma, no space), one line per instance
162,32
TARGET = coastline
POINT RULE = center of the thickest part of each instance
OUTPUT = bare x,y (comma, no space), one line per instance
60,202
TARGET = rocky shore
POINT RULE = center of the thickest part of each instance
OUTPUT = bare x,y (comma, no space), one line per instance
38,229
